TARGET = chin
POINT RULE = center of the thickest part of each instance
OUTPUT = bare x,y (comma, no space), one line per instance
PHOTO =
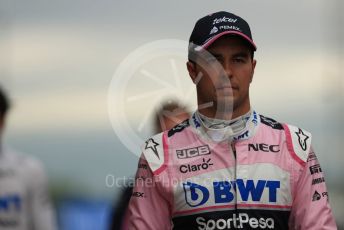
225,104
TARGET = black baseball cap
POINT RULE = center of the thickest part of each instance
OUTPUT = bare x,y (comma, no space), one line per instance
213,26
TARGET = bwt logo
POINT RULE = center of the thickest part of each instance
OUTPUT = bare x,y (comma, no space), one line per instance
197,195
10,202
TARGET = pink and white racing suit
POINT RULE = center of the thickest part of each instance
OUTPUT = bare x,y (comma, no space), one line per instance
24,200
268,177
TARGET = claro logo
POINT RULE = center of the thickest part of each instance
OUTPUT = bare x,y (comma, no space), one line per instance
196,167
197,195
238,221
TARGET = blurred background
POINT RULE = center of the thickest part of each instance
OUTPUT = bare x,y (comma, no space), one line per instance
58,60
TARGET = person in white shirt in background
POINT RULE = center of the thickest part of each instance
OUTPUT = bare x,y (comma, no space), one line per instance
24,200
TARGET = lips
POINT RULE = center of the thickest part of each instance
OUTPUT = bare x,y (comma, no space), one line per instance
231,87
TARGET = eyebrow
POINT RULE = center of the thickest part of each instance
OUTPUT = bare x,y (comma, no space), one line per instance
241,54
215,54
235,55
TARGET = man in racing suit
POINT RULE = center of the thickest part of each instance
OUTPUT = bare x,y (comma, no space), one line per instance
24,200
228,167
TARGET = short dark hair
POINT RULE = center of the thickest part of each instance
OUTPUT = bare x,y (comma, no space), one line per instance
4,103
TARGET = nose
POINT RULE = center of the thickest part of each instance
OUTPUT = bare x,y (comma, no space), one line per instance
227,69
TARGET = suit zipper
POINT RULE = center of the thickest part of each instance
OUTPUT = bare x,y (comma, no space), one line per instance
235,176
234,151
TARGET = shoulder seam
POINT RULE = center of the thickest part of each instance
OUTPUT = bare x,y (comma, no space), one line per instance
178,128
166,156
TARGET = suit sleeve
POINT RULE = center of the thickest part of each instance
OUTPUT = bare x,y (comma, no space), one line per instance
41,209
149,206
311,208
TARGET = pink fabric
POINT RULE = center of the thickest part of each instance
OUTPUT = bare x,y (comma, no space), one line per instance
266,158
166,156
202,209
125,222
143,210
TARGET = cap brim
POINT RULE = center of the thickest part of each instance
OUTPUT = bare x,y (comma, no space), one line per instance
213,39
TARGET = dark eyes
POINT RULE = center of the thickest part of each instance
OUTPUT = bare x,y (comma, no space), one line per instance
220,59
239,60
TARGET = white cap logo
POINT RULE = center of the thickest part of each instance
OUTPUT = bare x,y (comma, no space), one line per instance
214,30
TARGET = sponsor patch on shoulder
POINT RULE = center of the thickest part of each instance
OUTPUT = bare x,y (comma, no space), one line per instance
178,128
271,122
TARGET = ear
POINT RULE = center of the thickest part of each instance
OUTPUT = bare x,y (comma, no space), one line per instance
192,70
254,62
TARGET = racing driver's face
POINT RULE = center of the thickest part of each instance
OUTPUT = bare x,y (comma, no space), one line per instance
223,78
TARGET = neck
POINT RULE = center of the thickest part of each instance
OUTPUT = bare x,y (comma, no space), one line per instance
236,124
225,114
219,130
